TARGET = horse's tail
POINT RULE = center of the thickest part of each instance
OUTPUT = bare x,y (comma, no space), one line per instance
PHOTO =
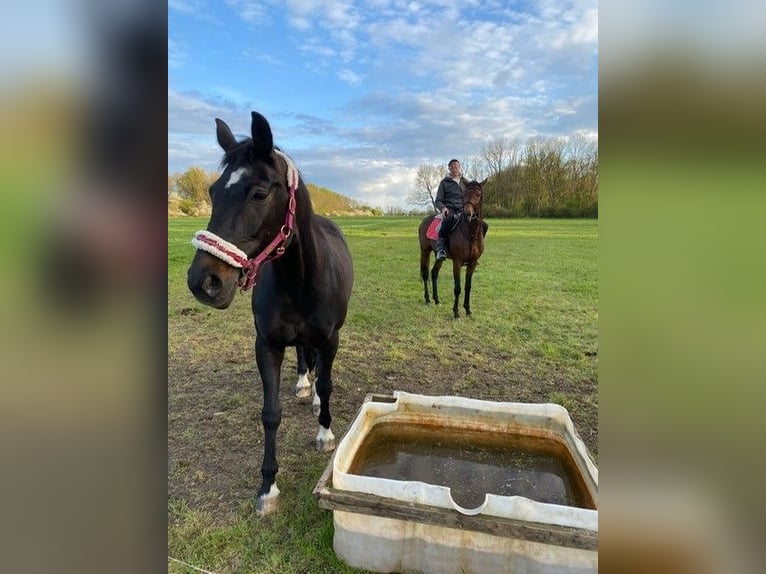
425,246
422,230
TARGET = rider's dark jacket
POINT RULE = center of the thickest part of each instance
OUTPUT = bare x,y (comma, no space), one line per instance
450,194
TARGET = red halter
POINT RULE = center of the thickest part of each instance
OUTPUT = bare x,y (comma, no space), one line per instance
234,256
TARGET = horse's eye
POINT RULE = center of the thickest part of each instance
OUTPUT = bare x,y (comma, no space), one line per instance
259,195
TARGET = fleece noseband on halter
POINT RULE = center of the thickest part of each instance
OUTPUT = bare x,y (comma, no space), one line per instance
234,256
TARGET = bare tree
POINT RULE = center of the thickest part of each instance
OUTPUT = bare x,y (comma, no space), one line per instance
474,168
582,158
499,154
427,181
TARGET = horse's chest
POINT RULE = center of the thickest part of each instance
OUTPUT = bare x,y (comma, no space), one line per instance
286,324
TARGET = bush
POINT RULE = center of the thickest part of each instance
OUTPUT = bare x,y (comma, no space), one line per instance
188,206
494,210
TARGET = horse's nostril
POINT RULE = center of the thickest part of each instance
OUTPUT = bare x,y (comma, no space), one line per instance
211,285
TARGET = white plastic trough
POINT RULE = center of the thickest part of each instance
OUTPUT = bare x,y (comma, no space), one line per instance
385,525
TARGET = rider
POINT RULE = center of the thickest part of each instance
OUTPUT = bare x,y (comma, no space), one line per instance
449,202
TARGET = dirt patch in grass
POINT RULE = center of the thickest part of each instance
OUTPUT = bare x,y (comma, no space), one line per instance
215,438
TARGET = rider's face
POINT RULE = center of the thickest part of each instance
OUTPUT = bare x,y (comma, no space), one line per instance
454,169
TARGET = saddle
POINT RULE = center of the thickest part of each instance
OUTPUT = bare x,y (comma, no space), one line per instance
433,228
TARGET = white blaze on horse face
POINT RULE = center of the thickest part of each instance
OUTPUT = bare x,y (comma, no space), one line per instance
235,176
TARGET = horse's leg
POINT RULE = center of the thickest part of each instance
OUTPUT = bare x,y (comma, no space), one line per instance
468,279
425,256
456,265
306,361
303,387
325,358
435,279
269,361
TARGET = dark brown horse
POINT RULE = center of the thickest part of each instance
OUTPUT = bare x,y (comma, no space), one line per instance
466,244
263,232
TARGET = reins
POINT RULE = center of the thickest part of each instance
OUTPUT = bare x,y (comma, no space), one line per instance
473,231
234,256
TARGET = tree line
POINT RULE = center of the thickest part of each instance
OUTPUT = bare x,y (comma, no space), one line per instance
188,195
539,177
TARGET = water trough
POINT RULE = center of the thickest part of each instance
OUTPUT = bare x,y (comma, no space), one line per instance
449,484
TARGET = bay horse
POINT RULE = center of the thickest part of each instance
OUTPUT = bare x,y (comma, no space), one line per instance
466,244
263,233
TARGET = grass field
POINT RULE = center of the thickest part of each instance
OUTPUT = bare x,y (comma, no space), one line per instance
532,338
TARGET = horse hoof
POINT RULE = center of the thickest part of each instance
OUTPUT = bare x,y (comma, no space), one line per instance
265,506
326,445
303,392
325,440
303,386
267,503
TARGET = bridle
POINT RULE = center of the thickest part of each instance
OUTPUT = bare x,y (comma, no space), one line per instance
476,208
234,256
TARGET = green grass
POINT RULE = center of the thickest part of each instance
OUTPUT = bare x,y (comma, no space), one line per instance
532,338
297,539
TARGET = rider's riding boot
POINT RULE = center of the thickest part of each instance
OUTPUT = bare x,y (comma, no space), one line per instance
441,254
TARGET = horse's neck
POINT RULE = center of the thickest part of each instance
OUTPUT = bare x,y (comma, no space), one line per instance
297,264
474,227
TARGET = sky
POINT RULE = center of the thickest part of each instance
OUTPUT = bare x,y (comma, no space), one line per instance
361,93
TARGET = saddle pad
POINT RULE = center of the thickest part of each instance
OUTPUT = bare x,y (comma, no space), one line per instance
433,228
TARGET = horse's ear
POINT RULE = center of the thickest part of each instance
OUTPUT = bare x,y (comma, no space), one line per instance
226,139
263,141
483,182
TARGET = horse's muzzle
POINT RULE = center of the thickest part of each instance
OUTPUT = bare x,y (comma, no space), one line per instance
212,282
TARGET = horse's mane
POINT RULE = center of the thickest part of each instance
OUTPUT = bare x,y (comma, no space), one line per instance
243,152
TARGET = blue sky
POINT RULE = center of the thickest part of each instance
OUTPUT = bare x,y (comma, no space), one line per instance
361,93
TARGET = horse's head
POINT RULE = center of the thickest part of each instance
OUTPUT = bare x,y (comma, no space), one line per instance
472,198
250,202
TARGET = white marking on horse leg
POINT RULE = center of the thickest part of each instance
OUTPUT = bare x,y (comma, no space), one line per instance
303,387
267,503
325,440
235,176
316,405
273,491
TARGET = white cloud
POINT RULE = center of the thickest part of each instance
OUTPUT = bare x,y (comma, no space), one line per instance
353,173
350,77
186,6
185,151
192,114
251,11
586,30
437,81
